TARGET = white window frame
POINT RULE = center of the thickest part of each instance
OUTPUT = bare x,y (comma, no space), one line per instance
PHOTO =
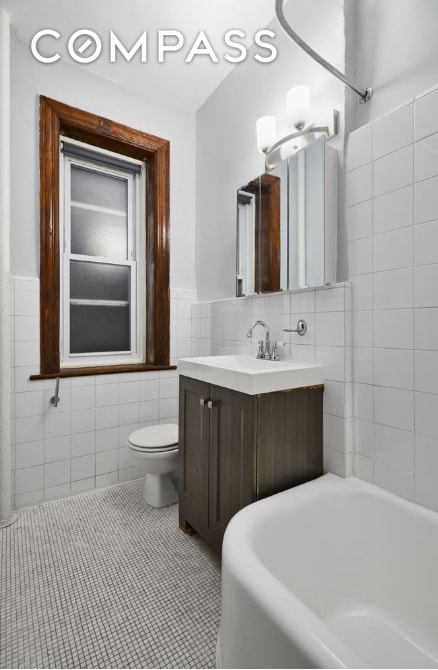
136,259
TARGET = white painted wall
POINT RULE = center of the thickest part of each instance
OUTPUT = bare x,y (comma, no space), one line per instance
394,49
227,156
79,87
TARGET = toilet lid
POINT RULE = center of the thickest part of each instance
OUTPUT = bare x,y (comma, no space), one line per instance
161,436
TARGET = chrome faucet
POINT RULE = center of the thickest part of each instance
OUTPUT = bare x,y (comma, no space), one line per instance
264,347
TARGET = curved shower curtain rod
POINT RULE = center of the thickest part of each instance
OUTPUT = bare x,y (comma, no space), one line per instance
364,93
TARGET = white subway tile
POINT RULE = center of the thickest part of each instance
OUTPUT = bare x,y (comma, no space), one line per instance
29,454
393,210
394,407
30,403
359,185
333,431
425,283
334,398
332,360
360,256
359,148
83,381
27,284
334,461
83,467
82,486
330,299
426,158
394,328
27,354
364,437
426,455
303,301
360,220
394,131
426,491
27,303
362,329
107,461
56,473
426,414
168,388
184,310
28,499
279,304
57,449
127,474
108,479
29,429
362,292
426,243
184,328
363,398
394,368
148,411
168,407
394,446
330,329
229,330
106,379
107,394
125,459
426,200
363,365
426,115
393,289
29,479
393,250
394,480
83,444
27,328
83,421
56,492
57,425
107,439
83,397
125,431
129,413
107,417
426,328
364,468
149,389
64,399
394,171
426,371
129,392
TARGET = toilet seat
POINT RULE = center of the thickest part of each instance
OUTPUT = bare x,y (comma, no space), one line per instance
155,439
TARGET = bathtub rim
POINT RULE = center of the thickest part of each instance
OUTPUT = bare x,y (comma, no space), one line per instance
292,616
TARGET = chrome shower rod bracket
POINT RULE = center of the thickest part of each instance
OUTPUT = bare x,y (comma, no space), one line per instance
364,94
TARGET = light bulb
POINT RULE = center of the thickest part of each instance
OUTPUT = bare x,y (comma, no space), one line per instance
266,132
298,106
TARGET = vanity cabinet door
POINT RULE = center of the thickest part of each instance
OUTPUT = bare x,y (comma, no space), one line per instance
232,457
194,446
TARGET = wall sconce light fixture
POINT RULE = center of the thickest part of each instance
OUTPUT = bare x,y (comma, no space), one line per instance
298,115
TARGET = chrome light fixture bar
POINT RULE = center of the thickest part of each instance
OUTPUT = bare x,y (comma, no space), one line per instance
298,108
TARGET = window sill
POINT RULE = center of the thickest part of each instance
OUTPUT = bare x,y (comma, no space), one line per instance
100,370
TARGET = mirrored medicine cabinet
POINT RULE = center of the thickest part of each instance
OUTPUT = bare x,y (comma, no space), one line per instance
287,222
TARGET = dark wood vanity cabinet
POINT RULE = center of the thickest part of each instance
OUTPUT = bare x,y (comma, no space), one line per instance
236,448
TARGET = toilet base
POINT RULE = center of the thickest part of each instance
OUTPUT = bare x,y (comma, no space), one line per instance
159,490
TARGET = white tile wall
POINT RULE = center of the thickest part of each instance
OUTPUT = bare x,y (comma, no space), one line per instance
81,444
393,259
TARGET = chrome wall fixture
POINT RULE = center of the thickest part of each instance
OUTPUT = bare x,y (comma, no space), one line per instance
298,114
364,93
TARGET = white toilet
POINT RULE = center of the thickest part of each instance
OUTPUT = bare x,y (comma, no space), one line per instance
154,450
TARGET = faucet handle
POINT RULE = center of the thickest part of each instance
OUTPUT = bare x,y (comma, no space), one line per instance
274,353
261,351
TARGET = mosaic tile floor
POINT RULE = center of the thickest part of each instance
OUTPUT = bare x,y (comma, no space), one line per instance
102,580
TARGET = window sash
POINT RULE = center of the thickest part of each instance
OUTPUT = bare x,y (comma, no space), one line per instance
135,354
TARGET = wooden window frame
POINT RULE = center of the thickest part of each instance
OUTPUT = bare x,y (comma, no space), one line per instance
56,119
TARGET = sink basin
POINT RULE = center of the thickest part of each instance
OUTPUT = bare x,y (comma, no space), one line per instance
251,375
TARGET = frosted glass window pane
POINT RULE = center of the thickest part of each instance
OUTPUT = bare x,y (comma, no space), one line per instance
99,328
102,190
99,281
95,233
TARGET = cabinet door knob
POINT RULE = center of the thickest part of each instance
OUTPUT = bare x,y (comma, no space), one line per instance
202,402
211,404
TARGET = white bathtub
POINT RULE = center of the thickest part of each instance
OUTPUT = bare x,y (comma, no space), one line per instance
331,574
